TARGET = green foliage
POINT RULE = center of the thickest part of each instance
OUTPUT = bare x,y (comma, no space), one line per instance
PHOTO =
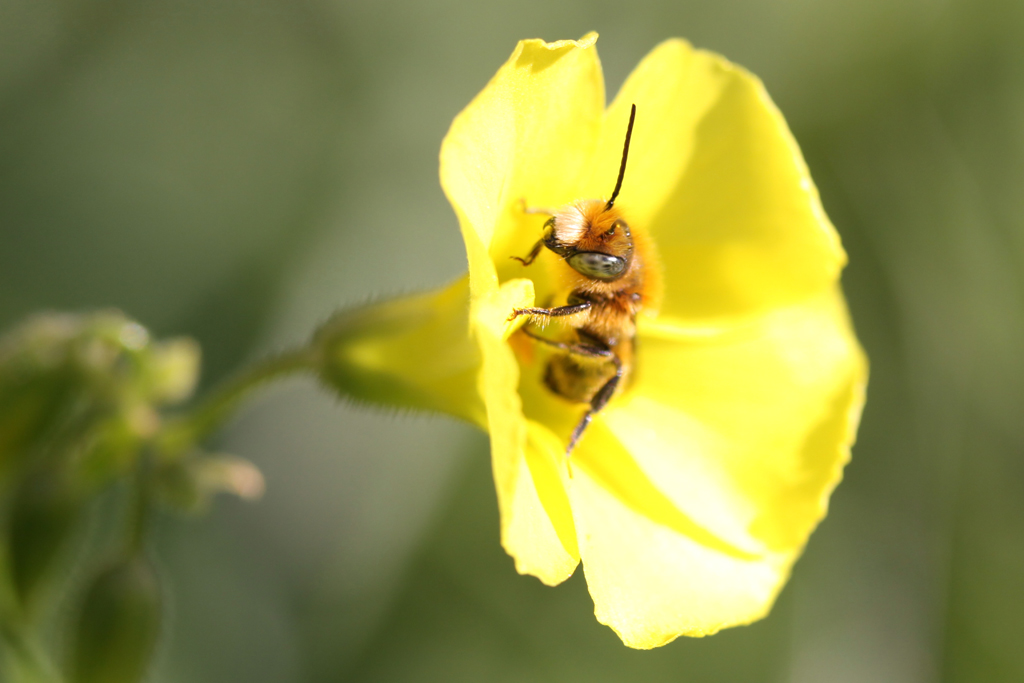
43,516
119,624
84,405
82,391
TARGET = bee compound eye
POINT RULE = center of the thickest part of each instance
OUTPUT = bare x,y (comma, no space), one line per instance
597,265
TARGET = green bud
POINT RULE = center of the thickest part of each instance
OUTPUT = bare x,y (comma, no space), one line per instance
173,370
119,624
59,376
188,484
86,387
41,387
42,519
114,443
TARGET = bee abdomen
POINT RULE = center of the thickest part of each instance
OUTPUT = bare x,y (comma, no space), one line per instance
577,380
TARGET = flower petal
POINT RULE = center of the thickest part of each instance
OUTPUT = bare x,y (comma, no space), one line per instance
523,138
536,523
651,584
746,434
717,180
538,529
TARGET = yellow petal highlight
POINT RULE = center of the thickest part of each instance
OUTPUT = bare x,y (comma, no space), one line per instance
717,181
610,461
651,584
538,531
531,497
522,138
748,434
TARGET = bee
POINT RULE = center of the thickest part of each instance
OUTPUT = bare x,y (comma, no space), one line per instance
609,285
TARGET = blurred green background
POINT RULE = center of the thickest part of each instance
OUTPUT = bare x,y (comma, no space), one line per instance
238,170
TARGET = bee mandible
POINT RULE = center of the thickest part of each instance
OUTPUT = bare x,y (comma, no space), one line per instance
606,276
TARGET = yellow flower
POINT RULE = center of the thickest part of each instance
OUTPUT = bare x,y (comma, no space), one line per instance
694,491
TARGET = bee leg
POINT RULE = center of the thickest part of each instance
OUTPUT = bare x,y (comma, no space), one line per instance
532,255
551,312
526,209
600,400
586,350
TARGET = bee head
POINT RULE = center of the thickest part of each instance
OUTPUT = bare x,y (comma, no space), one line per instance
590,234
592,238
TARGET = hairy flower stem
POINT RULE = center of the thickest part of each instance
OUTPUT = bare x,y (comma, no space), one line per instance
217,407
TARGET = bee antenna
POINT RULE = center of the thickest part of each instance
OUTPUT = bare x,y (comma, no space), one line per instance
625,153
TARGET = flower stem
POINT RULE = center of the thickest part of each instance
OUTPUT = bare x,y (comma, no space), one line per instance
139,505
218,406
